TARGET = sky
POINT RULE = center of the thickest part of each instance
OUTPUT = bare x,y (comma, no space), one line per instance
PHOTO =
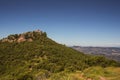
69,22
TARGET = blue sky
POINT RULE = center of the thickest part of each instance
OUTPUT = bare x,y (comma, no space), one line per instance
70,22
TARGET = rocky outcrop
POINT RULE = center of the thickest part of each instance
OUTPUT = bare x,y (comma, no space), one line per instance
21,39
28,36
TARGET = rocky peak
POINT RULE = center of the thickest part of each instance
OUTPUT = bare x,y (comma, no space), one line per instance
27,36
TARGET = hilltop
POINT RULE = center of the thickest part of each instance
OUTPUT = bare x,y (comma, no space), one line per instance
27,36
34,56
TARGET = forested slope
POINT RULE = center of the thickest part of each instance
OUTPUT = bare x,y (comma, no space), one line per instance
34,56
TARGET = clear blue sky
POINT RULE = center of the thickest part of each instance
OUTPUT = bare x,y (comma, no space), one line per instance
70,22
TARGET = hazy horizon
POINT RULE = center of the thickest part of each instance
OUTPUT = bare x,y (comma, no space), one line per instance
69,22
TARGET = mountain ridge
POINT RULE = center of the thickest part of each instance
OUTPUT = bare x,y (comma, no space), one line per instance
42,58
109,52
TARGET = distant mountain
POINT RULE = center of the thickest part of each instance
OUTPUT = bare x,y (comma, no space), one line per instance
109,52
34,56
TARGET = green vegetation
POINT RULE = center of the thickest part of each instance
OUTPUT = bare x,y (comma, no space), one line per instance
43,59
91,73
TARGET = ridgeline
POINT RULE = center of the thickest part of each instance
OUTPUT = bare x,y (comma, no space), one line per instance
34,56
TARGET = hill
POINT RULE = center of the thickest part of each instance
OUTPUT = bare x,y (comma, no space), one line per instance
34,56
109,52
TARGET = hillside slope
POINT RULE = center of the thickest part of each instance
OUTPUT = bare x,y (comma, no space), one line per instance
34,56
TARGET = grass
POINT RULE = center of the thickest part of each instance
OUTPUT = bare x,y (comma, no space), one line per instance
113,73
92,73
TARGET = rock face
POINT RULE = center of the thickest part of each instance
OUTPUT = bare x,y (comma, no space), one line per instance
21,39
28,36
